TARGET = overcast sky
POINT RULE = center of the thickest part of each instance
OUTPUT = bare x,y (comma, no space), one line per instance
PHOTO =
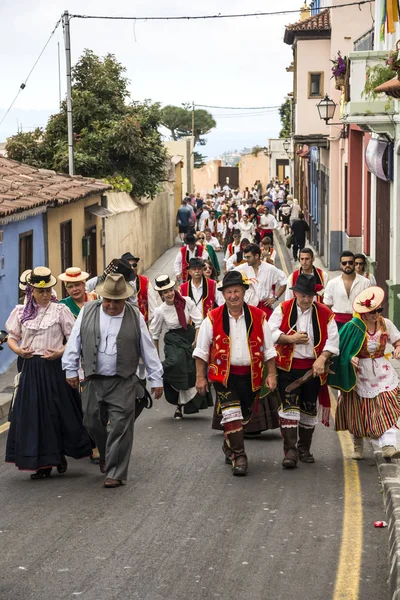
237,62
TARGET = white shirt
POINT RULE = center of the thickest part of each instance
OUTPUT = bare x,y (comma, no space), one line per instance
239,350
107,351
197,293
304,324
336,297
213,242
272,256
192,254
231,263
289,293
204,215
165,316
267,276
268,221
246,230
234,248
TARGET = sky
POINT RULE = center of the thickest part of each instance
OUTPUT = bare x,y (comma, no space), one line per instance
220,62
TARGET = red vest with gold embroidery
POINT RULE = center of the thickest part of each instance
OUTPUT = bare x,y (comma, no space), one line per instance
219,362
184,251
143,296
318,274
285,352
208,301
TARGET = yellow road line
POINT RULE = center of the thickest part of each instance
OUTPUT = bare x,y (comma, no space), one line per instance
4,427
350,557
278,249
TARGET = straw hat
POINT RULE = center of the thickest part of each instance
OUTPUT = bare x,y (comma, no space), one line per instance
41,278
369,300
163,283
22,279
73,274
114,287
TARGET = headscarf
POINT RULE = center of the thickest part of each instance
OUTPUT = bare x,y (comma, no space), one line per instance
31,307
180,303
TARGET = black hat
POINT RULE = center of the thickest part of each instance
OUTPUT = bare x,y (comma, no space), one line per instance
190,238
305,284
236,232
233,278
125,269
129,256
195,262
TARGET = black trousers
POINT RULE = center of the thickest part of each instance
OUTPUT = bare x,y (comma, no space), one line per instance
301,402
237,394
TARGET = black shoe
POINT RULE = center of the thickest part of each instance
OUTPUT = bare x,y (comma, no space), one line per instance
42,473
63,465
178,414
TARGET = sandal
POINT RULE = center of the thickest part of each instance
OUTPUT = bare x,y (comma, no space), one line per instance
42,473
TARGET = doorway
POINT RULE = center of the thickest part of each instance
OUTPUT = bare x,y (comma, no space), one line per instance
91,257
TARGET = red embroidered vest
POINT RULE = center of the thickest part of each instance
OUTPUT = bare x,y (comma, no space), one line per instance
185,263
208,301
219,362
143,296
319,276
285,352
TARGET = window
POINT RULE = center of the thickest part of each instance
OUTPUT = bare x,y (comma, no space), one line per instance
66,247
315,85
25,251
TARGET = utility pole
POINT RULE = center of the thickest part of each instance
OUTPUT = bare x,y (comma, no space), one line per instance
59,74
193,122
67,41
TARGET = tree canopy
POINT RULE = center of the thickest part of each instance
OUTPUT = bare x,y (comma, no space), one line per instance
112,138
178,119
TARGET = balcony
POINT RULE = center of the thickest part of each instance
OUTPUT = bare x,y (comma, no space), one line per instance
373,114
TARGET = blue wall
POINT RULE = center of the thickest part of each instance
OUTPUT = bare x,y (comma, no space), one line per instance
9,250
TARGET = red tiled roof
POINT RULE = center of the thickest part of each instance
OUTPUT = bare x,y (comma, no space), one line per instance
318,22
23,187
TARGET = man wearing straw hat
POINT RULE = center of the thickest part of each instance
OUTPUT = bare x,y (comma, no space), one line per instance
111,335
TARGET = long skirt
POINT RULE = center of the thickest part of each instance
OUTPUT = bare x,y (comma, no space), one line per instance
46,420
367,417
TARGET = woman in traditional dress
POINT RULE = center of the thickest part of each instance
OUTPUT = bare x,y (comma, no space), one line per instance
180,318
369,404
46,419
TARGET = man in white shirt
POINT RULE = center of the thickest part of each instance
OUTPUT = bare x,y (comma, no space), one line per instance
200,289
307,267
306,336
210,239
204,214
111,336
341,291
266,277
231,354
267,224
188,251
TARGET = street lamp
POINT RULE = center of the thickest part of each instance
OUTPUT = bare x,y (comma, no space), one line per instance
326,109
286,145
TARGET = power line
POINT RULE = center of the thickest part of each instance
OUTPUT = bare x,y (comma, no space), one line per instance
218,16
237,107
23,84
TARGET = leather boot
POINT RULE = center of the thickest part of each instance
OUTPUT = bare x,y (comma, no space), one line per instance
358,453
304,444
235,442
289,435
227,452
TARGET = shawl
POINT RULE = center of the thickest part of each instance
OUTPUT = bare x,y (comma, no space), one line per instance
31,308
352,336
213,258
180,304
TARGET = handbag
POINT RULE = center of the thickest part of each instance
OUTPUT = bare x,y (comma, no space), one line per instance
289,240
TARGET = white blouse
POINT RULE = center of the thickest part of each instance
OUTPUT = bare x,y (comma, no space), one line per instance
45,332
165,316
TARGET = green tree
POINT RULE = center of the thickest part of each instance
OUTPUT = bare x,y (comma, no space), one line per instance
112,138
179,122
285,115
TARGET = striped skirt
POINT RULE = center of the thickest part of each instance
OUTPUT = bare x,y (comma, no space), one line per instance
367,417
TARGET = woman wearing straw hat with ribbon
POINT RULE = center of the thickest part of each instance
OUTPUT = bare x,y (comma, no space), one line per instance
46,420
369,405
74,280
176,315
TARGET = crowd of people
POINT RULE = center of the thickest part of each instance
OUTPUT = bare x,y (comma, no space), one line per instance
260,347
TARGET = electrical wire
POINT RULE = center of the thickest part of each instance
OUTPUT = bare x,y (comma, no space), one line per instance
218,16
236,107
23,84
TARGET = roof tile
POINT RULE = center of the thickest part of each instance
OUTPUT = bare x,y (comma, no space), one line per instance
318,22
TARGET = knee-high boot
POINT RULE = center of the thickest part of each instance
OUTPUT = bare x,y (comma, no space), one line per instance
289,434
234,444
304,443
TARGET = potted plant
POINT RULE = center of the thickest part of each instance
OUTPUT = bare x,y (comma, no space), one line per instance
383,78
339,69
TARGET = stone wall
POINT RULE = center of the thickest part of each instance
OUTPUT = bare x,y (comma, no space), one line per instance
252,168
205,177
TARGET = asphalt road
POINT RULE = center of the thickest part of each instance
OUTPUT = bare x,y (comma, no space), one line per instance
183,527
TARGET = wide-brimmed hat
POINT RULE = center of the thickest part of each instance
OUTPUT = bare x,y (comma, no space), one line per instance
190,238
306,284
233,278
73,274
163,283
129,256
368,300
195,263
22,279
41,278
114,287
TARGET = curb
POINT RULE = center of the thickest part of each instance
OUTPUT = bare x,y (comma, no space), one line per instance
5,402
390,480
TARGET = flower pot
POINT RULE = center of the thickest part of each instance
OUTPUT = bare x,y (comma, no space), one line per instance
340,81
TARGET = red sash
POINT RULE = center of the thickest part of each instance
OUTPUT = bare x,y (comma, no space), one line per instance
343,317
143,296
185,263
266,309
219,362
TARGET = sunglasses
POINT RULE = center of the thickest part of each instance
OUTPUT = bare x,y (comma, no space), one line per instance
201,238
376,311
347,262
359,264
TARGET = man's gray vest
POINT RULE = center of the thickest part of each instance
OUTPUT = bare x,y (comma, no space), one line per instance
128,340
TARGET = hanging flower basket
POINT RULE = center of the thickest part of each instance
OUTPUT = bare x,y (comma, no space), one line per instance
339,70
340,81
